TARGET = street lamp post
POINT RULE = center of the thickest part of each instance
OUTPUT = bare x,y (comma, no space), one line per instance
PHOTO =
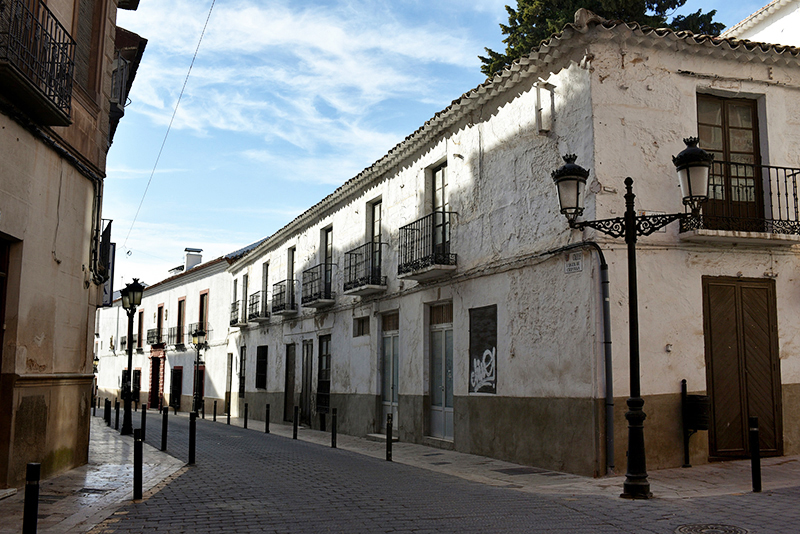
131,298
199,341
693,165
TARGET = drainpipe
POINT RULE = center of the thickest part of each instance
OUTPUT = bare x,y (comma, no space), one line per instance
604,285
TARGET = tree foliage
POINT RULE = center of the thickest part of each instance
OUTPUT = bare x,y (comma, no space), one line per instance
533,21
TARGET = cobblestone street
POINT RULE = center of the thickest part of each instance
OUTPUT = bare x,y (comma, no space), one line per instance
249,481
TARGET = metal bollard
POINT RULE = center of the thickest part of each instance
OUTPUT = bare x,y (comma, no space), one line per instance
229,413
137,463
30,514
295,421
266,420
389,437
116,410
755,454
192,435
164,428
95,401
245,415
215,411
144,420
107,411
333,428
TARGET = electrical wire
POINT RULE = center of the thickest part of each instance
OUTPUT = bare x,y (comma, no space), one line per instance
174,112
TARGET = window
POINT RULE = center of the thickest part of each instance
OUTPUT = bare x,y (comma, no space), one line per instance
181,320
327,247
160,324
261,367
242,373
245,283
203,316
265,278
87,43
140,332
375,231
360,326
728,128
324,376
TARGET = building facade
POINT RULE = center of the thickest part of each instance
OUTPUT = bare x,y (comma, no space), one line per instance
442,286
57,61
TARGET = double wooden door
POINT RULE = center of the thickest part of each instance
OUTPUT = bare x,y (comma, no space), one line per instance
743,368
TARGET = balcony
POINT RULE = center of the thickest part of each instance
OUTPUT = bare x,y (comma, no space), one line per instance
155,336
284,301
238,314
123,343
317,283
425,248
205,327
748,204
257,309
176,336
362,270
36,61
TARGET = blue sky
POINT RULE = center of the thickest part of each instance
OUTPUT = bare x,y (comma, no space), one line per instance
286,101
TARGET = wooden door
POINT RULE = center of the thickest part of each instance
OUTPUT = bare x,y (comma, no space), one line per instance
288,391
743,368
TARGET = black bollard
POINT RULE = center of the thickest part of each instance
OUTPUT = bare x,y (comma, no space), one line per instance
266,420
215,411
164,427
144,420
245,415
137,462
755,454
333,428
95,400
107,411
229,413
30,514
192,436
389,437
295,421
116,411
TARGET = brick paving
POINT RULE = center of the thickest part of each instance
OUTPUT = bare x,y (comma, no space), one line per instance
248,481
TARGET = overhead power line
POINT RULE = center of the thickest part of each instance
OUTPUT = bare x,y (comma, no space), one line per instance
174,112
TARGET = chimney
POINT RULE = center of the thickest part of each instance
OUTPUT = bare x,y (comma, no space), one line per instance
194,257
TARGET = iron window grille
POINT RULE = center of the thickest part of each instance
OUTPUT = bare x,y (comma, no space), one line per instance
155,336
318,283
362,266
283,296
426,242
257,306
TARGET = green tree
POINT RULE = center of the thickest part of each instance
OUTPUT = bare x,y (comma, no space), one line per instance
533,21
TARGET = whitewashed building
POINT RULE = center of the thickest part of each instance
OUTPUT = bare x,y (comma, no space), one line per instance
777,22
443,286
164,357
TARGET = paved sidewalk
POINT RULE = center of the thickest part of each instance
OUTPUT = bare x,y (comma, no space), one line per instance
85,496
94,493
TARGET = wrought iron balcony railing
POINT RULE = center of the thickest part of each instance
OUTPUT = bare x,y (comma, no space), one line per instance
175,335
362,266
36,60
425,243
238,312
318,284
155,336
194,327
283,297
257,309
749,198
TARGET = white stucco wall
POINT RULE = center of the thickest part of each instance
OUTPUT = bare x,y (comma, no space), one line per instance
778,22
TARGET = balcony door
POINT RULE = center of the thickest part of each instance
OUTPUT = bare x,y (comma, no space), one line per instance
728,128
441,205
